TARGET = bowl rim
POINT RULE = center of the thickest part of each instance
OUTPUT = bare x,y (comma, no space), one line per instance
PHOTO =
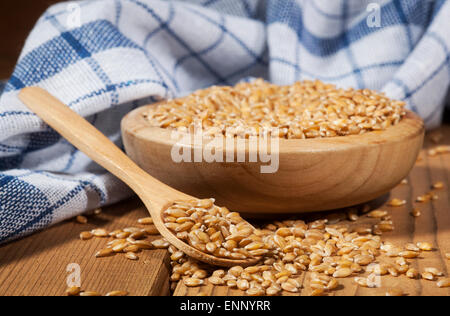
410,126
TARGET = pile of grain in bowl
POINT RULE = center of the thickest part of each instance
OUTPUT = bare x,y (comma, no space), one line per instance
306,109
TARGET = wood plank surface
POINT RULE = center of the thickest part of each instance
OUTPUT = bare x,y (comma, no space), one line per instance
37,265
432,226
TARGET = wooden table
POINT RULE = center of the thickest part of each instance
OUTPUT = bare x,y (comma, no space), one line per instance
37,265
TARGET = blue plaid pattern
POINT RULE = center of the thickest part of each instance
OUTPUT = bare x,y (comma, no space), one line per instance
127,53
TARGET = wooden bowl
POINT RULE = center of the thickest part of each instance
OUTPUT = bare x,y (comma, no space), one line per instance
313,175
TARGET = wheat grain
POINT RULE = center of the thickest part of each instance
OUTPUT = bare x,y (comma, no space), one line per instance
86,235
90,293
81,219
443,283
117,293
395,292
303,110
73,291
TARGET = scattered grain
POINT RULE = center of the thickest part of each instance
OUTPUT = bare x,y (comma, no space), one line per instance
86,235
329,250
150,230
384,227
90,293
192,282
318,292
132,248
254,291
73,291
416,212
289,287
271,291
117,293
104,253
120,247
439,150
145,221
97,211
443,283
423,198
199,274
143,244
242,285
397,202
438,185
100,232
433,271
81,219
352,215
377,214
361,281
160,243
395,292
216,280
412,273
123,235
131,256
425,246
409,254
343,273
412,247
428,276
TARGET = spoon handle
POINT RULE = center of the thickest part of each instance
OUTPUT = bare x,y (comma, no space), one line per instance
93,143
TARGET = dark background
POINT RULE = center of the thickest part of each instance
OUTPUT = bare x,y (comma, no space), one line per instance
17,18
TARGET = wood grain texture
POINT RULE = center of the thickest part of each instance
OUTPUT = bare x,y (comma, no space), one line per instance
313,174
36,265
432,226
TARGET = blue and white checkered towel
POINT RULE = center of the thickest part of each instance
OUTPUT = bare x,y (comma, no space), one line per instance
106,57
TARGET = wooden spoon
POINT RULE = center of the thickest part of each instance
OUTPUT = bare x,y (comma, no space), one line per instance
156,195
